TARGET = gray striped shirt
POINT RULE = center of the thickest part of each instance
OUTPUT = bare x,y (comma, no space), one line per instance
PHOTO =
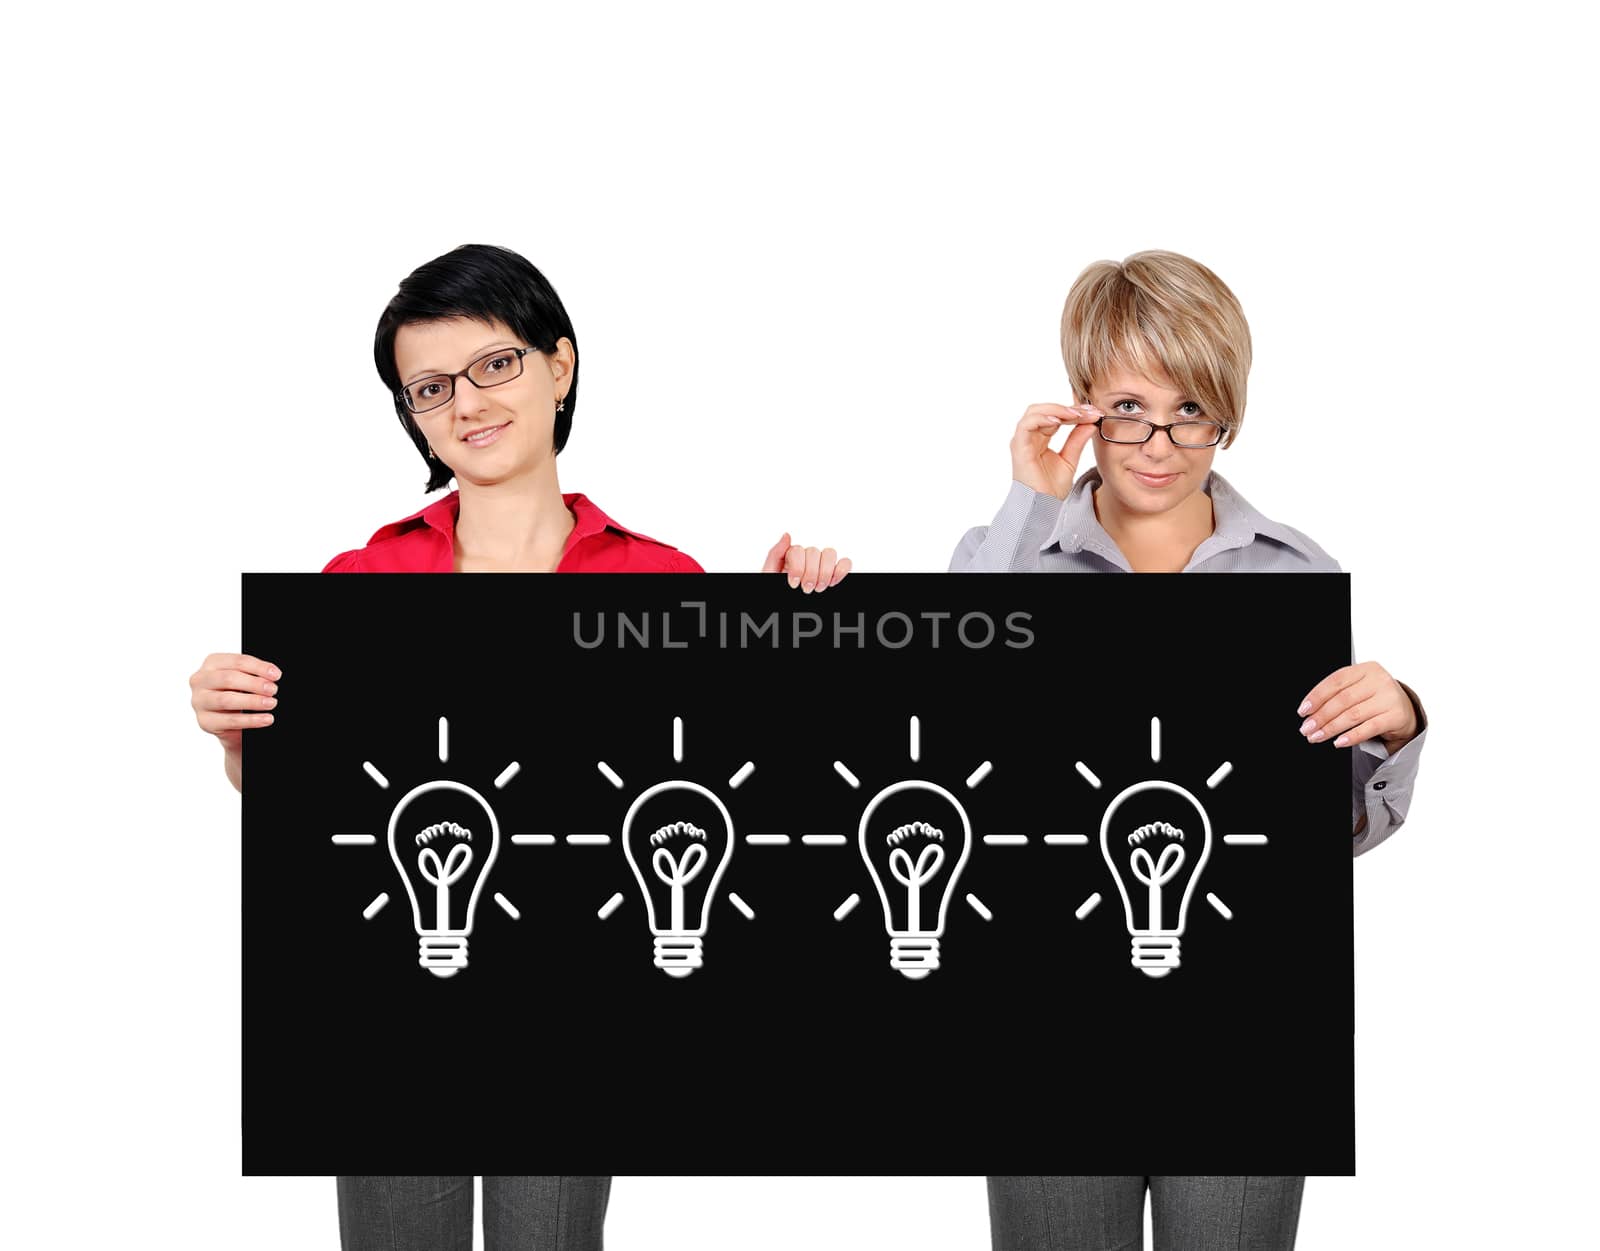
1037,533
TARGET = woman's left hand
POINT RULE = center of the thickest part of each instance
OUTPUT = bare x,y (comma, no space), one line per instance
1356,703
808,568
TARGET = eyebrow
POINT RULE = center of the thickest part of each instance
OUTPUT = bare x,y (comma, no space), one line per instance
477,355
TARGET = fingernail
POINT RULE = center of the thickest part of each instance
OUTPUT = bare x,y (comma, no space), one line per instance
271,688
807,587
1342,741
271,703
276,672
1307,726
1304,708
1318,736
266,718
793,581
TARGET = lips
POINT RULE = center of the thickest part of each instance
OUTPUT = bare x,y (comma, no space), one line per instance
485,436
1154,480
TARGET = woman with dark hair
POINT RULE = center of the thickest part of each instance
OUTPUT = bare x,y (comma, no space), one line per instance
481,362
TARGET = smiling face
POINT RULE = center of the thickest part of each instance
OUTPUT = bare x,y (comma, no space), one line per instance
485,434
1154,476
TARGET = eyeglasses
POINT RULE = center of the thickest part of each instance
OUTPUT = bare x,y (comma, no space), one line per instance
437,390
1138,430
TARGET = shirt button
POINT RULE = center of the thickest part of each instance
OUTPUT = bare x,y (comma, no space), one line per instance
1378,786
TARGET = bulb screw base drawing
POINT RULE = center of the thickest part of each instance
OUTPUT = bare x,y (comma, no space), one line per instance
915,957
443,955
678,955
1155,955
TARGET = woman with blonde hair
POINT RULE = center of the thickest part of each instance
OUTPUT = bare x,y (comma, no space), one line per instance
1157,351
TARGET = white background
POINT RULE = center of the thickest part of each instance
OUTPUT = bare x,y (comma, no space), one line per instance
816,260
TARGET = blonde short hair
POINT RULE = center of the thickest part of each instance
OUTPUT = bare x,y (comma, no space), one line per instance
1159,313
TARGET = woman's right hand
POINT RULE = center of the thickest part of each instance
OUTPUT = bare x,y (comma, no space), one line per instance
232,694
1033,463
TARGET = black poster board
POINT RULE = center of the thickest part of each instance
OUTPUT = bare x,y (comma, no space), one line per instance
1022,734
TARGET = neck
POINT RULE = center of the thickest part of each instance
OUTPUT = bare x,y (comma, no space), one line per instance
1154,542
521,522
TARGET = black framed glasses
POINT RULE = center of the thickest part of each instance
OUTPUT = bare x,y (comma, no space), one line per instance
489,370
1138,430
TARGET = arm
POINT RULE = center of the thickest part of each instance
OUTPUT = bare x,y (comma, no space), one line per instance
1011,542
1040,480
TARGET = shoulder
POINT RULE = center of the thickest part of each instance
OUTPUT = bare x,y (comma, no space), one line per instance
603,544
346,562
1295,546
403,546
1297,541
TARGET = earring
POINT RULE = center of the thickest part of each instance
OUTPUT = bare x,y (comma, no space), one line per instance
431,456
561,406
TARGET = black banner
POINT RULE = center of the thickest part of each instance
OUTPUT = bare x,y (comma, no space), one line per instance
929,874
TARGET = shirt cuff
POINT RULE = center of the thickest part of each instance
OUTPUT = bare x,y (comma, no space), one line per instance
1384,782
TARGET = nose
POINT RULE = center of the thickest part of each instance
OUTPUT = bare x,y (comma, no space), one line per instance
469,401
1156,451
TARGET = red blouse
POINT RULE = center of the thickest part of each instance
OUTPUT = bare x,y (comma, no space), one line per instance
425,543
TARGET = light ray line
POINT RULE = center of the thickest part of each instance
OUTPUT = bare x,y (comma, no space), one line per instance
978,774
610,906
745,770
506,904
444,741
978,907
610,774
1223,769
1219,906
749,914
506,774
838,767
1088,777
1155,740
677,740
372,772
1088,906
1245,840
376,906
844,909
916,739
354,840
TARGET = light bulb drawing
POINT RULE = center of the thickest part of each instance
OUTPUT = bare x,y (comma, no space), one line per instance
1155,855
444,914
443,837
686,860
923,862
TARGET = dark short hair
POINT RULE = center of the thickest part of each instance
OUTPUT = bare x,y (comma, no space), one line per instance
484,282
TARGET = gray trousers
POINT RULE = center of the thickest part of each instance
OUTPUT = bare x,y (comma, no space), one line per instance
435,1213
1107,1213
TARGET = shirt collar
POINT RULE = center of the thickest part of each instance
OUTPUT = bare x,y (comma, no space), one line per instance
442,514
1237,522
